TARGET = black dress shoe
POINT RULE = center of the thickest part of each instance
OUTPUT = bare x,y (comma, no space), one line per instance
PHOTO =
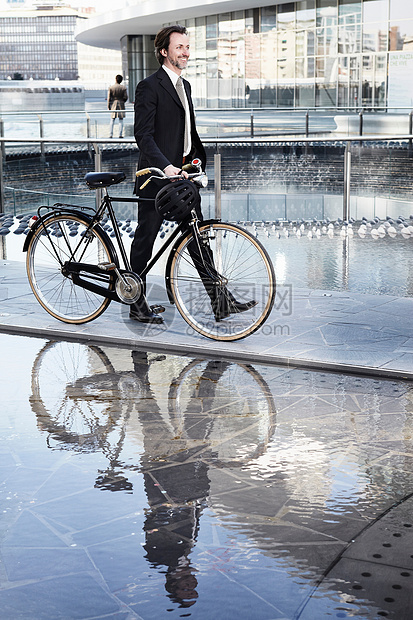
221,313
238,306
140,311
226,308
145,316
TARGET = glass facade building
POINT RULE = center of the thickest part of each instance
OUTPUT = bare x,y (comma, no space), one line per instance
38,45
309,53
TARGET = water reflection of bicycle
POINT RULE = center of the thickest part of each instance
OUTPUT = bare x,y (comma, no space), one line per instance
204,412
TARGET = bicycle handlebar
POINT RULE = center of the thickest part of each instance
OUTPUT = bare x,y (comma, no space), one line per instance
199,177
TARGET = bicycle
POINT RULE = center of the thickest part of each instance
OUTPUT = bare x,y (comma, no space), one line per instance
75,271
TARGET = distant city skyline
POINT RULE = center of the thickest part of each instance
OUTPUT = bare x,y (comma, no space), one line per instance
40,45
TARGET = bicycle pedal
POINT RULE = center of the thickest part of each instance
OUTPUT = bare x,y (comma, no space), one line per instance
157,309
107,266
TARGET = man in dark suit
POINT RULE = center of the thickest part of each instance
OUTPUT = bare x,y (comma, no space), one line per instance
167,138
166,135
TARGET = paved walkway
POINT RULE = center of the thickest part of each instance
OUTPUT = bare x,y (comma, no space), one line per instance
340,331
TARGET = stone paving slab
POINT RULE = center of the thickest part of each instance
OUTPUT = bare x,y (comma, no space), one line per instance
377,566
338,331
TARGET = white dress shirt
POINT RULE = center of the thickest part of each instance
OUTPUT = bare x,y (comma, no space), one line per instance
174,78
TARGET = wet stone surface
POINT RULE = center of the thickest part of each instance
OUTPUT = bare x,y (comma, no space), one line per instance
142,485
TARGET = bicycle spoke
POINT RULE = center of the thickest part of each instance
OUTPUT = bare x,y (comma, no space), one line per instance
46,256
230,269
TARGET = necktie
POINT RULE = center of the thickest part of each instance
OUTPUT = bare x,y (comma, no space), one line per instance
182,97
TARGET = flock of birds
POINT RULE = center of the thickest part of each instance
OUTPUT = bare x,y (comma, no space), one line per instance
376,228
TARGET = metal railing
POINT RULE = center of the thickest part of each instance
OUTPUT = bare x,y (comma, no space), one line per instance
94,147
251,122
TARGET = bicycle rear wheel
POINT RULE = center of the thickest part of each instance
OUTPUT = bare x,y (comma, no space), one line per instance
46,255
244,267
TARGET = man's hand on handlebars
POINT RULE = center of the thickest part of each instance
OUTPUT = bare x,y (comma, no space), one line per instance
171,171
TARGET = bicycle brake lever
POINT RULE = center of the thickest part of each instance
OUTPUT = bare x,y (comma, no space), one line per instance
146,183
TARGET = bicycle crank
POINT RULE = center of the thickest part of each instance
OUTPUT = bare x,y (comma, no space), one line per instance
128,287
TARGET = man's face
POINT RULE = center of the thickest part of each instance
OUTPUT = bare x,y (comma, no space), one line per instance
177,54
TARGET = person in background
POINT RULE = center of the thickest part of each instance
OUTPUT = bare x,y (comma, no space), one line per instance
117,97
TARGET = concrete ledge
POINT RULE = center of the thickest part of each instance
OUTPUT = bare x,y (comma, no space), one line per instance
350,333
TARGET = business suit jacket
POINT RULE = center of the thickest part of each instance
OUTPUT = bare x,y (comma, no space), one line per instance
160,126
159,133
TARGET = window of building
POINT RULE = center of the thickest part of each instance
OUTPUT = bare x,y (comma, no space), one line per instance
211,27
401,9
326,13
401,35
375,11
286,16
268,18
305,14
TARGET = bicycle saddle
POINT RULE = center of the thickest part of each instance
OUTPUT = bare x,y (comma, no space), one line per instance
94,180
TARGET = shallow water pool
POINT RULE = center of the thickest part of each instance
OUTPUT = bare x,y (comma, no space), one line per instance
331,261
140,485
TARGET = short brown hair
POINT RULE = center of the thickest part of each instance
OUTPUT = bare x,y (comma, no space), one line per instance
163,37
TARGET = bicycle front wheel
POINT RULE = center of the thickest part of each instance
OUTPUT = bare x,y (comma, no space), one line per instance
240,263
66,240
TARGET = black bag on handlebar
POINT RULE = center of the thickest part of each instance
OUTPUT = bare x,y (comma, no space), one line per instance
175,201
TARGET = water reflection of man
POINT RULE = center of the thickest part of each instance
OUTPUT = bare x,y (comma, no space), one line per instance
176,495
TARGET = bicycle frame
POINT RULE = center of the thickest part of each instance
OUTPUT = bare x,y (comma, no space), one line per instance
182,228
74,269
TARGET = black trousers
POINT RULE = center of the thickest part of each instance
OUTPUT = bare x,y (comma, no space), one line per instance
149,223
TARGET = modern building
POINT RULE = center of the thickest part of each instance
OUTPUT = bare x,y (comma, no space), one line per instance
321,53
37,43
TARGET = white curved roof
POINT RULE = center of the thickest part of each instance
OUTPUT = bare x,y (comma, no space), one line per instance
147,17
